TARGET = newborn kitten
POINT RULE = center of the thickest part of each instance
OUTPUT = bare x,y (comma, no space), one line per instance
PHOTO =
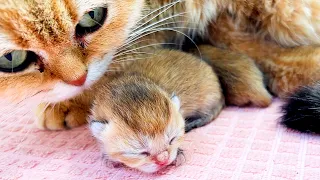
140,115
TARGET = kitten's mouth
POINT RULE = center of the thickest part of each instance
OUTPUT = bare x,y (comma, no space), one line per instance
180,159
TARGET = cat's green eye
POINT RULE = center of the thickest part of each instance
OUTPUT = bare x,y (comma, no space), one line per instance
15,61
91,21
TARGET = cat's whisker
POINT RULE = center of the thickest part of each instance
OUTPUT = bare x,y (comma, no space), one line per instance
154,25
127,60
116,59
141,47
157,30
167,6
156,10
131,43
130,56
131,52
161,20
162,29
151,31
182,33
133,39
138,36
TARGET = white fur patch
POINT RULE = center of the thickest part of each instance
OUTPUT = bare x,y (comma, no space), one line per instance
176,101
97,128
97,68
62,91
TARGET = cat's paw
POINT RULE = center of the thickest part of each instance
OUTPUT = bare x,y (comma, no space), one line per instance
243,95
60,116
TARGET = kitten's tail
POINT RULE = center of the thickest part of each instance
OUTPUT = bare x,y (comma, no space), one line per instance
302,110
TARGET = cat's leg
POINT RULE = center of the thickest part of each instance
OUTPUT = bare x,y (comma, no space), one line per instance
64,115
286,69
241,79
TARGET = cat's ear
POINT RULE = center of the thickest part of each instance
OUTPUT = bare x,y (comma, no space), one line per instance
176,101
97,127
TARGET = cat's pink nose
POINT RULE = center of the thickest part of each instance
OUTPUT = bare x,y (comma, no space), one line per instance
79,82
162,158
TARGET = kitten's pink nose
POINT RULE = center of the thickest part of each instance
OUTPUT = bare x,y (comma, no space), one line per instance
162,158
80,81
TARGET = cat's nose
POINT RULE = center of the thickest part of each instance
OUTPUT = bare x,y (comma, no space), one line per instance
78,82
162,158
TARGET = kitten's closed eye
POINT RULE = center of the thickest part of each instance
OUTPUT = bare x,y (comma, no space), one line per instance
136,154
91,21
145,153
171,141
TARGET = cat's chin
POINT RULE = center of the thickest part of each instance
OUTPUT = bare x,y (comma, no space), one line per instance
63,91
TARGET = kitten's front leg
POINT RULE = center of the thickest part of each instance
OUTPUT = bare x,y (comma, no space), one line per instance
64,115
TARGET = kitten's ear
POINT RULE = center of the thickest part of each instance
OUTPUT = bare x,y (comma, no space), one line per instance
97,127
176,101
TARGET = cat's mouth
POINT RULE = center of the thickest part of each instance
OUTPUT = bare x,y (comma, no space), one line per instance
63,91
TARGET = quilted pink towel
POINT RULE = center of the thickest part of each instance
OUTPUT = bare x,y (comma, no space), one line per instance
243,143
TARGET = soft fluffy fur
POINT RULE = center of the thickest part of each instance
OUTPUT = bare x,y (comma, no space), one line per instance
251,27
138,113
302,110
241,80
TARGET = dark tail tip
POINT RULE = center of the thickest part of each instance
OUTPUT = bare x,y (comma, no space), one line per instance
301,112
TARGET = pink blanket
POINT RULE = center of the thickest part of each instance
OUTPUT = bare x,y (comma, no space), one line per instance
241,144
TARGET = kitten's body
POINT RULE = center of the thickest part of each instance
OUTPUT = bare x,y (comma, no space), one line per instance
145,105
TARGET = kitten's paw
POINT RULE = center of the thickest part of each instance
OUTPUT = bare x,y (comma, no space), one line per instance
60,116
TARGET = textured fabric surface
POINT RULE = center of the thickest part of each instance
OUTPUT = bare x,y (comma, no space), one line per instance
243,143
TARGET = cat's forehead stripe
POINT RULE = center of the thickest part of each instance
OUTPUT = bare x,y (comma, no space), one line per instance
41,22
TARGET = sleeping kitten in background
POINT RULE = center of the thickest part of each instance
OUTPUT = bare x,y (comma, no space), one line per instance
140,115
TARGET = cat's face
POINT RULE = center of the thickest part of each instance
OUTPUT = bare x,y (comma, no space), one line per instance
54,49
148,145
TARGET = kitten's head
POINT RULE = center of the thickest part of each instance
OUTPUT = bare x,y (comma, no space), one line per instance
56,48
139,127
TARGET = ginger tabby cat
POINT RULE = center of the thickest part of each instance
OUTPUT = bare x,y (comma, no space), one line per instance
55,49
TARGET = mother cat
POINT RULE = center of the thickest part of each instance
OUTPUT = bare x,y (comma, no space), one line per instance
55,49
